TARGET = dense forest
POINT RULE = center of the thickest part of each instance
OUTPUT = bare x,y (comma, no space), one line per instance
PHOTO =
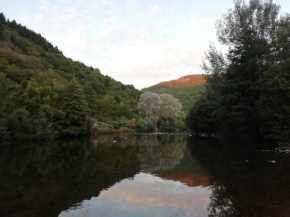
45,95
248,88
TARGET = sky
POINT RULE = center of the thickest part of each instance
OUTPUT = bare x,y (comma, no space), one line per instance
139,42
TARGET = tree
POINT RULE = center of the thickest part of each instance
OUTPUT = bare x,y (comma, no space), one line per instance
248,31
200,119
251,33
74,106
124,110
155,106
150,105
274,104
170,106
2,18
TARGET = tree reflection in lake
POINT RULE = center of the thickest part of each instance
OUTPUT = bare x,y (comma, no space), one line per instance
142,175
245,182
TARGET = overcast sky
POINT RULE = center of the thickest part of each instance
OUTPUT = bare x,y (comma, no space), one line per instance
139,42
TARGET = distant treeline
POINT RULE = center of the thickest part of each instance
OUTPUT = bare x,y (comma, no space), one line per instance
248,91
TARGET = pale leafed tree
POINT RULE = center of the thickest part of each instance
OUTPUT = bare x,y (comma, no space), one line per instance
155,106
170,106
150,105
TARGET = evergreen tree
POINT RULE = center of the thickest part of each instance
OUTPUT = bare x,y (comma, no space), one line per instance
2,18
74,106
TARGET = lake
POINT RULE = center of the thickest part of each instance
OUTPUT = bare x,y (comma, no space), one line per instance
143,175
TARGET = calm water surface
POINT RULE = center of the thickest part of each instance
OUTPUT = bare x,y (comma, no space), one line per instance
143,175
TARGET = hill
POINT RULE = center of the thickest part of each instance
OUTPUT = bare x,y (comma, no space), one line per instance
44,94
187,89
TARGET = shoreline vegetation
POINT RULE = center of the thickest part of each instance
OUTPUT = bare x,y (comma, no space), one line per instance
45,95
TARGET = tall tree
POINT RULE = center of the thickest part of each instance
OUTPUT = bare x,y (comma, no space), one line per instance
248,31
251,33
74,106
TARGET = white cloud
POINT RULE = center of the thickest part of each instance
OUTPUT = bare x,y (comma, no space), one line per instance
154,9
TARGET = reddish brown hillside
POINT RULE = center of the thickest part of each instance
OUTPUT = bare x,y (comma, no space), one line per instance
188,80
191,180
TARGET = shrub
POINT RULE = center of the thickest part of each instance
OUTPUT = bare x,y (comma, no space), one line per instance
141,125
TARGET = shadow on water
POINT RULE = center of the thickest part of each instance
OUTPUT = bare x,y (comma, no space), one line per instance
245,181
143,175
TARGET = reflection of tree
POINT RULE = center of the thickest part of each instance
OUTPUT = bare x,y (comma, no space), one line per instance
155,152
43,180
253,188
112,140
160,152
221,203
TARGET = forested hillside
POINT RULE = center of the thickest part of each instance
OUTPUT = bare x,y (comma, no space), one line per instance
43,94
247,93
187,89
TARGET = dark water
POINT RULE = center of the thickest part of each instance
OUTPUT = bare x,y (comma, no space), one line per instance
142,175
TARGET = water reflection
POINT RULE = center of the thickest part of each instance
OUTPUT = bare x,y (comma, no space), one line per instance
145,195
142,175
243,180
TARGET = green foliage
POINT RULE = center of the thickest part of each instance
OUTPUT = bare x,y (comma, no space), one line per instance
74,106
124,110
17,74
141,125
173,124
3,132
145,125
3,125
21,126
150,125
256,39
46,95
274,104
200,118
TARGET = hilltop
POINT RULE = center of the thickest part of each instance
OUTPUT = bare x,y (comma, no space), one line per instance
187,89
185,81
